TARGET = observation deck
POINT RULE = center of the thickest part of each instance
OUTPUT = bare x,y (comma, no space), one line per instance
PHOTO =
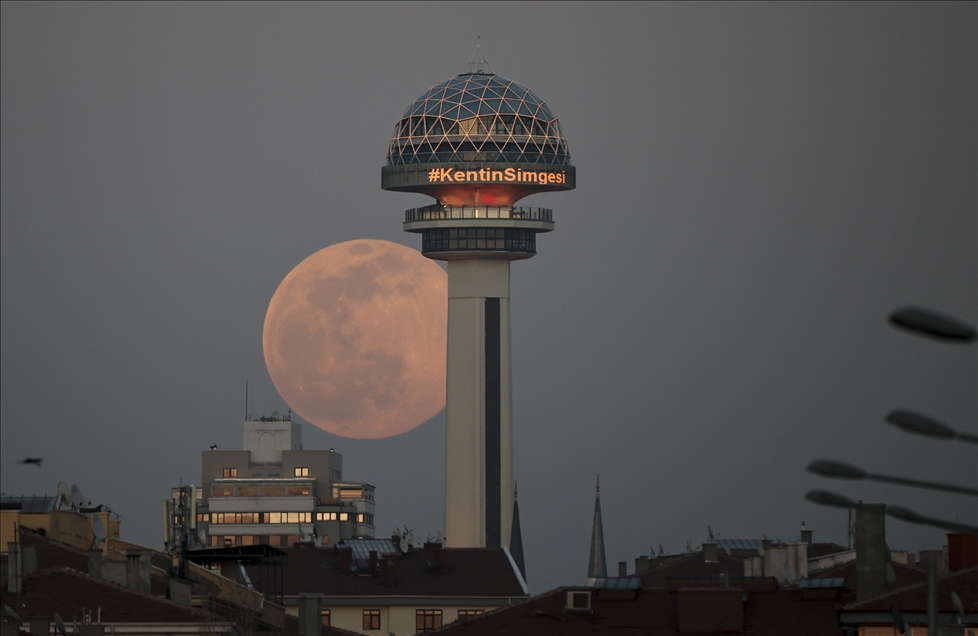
454,232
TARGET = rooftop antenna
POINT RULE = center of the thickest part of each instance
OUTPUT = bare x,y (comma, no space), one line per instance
478,64
246,400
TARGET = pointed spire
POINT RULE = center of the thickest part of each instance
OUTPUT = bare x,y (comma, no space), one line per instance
597,566
479,64
516,537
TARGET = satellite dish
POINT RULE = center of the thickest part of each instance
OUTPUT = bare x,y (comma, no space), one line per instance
898,621
98,528
276,415
202,536
64,494
12,614
77,498
958,606
61,624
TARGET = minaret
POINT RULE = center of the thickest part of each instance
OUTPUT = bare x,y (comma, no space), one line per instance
597,566
516,536
478,143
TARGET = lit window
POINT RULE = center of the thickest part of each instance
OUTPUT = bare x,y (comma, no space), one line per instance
463,614
360,518
298,491
301,472
274,517
371,619
222,491
325,616
230,472
344,516
325,516
427,620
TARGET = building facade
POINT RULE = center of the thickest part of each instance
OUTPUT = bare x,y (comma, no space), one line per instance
274,492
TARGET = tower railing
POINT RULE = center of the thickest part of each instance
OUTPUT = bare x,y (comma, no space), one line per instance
447,212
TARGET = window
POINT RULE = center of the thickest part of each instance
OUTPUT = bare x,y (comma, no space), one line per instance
325,516
298,491
273,491
230,472
301,472
427,620
325,616
248,491
336,474
222,491
371,619
463,614
344,516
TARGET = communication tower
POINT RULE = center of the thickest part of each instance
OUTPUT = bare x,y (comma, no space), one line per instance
477,144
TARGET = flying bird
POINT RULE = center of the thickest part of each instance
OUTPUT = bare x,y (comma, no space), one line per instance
213,446
32,460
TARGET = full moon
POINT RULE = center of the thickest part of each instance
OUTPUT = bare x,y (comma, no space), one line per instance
355,339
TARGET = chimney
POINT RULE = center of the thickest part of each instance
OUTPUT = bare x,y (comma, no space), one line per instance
310,615
710,553
962,551
642,564
806,535
870,551
21,561
138,570
622,569
95,564
387,572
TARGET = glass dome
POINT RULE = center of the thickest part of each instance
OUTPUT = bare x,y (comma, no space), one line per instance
478,117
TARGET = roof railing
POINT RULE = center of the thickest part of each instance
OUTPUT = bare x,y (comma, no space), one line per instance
452,212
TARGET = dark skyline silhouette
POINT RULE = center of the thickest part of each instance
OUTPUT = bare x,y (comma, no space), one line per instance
759,187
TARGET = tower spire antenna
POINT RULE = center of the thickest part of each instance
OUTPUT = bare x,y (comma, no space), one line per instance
479,63
597,566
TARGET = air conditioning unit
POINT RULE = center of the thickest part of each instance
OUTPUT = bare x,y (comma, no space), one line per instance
578,600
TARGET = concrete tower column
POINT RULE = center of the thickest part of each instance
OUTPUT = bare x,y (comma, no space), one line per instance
477,144
479,428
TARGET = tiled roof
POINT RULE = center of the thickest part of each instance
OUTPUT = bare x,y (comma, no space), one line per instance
913,598
447,572
651,613
52,553
905,575
819,550
691,566
71,593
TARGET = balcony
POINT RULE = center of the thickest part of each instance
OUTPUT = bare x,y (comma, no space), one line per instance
466,212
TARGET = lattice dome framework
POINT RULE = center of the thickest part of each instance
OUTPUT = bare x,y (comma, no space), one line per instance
478,117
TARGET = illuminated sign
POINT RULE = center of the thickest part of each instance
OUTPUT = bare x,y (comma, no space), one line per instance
488,175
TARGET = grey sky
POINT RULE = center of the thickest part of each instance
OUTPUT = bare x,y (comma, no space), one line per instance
759,185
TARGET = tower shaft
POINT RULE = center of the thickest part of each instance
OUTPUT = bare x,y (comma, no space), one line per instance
479,426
